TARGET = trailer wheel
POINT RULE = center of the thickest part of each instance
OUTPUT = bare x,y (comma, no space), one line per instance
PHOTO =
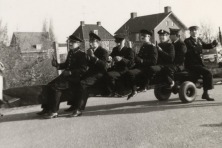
162,93
187,92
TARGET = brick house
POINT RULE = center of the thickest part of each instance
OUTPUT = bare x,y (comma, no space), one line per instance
153,22
32,44
107,39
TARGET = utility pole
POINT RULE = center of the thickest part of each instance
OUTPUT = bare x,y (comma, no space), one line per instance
220,37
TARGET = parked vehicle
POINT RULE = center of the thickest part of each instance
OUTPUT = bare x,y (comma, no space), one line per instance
212,57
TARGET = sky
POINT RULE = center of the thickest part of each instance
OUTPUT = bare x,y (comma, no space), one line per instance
28,15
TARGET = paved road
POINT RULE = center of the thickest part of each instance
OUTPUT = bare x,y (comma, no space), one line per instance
142,122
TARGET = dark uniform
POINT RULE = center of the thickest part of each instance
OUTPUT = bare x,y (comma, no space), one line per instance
194,61
180,52
74,68
146,57
97,68
127,61
165,58
119,68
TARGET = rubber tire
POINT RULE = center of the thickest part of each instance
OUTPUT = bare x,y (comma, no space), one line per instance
185,86
161,93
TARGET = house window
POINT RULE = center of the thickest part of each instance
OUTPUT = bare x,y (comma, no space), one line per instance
96,32
166,23
172,23
38,46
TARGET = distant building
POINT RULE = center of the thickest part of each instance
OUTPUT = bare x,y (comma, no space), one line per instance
108,41
32,44
153,22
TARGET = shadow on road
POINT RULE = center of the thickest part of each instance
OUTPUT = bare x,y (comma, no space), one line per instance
143,107
212,125
120,108
19,117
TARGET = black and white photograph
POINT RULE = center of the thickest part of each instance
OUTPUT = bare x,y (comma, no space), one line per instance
110,74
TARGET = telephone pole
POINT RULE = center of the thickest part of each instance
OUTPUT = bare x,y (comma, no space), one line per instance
220,37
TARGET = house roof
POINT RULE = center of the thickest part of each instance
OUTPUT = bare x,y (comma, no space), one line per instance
28,40
83,32
149,22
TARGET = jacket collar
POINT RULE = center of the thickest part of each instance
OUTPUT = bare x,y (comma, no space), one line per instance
194,39
75,50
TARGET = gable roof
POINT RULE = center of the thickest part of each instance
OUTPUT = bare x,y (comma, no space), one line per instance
83,32
149,22
27,40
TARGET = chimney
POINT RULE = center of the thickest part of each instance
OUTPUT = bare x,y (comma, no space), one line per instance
82,23
98,23
167,9
133,15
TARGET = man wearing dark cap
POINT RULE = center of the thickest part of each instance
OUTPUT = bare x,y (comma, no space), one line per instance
97,62
180,51
73,69
146,57
194,63
166,55
122,59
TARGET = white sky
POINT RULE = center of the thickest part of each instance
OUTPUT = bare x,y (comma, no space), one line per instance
28,15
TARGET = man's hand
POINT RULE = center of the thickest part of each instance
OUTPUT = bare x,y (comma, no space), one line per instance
118,58
110,59
159,48
215,43
54,63
66,73
90,53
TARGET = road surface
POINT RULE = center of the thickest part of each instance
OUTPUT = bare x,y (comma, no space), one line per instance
141,122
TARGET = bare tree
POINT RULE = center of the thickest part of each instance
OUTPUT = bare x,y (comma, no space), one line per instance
51,31
207,32
3,33
45,26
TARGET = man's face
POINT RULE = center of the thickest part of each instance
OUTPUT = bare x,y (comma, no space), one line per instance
195,33
145,38
173,37
74,45
163,37
94,43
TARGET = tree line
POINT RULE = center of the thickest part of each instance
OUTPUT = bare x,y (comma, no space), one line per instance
19,72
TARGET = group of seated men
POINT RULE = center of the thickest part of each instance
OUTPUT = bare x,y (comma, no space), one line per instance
82,71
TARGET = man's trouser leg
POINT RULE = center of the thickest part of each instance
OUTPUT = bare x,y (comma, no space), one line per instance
54,96
111,78
169,71
45,99
75,97
47,92
133,75
85,86
207,76
72,93
153,70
